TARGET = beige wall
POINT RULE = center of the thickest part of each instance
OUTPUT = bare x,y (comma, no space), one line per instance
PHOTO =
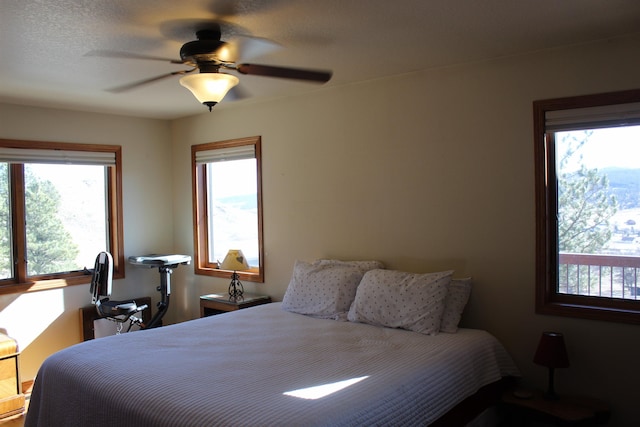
426,171
423,171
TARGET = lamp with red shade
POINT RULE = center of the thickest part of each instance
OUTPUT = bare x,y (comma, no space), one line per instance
551,353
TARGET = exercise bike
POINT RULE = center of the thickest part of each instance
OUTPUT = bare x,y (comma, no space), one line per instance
128,310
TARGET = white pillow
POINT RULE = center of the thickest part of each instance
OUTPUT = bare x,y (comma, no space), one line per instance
458,293
325,288
397,299
363,265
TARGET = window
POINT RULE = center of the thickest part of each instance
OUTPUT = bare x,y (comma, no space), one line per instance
60,204
227,205
588,206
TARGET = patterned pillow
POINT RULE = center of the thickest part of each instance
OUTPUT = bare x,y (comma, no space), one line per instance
397,299
458,293
325,288
363,265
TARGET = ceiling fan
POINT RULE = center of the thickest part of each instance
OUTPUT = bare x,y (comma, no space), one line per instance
208,55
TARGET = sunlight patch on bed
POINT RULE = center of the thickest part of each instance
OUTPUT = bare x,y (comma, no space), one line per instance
30,314
320,391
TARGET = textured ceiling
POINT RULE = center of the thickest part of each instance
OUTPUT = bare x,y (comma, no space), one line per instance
44,43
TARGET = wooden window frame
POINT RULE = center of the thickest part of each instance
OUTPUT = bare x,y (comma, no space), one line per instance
21,282
202,265
548,299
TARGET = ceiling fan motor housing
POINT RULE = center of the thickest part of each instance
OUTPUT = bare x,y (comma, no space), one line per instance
200,51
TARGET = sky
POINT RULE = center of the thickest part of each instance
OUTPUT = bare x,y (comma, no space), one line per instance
233,178
611,147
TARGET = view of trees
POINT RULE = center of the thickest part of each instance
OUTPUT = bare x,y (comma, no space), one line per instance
5,225
585,202
596,211
50,247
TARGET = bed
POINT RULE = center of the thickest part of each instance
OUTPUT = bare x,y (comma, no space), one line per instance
268,365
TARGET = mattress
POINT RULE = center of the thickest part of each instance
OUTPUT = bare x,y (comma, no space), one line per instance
268,367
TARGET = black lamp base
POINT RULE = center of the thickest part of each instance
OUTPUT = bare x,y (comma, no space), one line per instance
236,290
550,394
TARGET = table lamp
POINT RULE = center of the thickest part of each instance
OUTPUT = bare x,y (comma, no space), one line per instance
551,353
235,261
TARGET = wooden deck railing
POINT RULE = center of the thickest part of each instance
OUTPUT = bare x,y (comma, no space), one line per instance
599,275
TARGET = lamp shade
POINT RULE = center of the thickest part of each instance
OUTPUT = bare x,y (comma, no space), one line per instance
551,351
209,88
235,260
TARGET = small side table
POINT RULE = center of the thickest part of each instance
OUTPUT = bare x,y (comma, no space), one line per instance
220,303
564,411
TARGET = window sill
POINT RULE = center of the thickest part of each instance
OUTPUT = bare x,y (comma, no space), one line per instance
584,311
47,284
252,275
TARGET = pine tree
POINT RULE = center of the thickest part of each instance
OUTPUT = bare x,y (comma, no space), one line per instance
5,225
50,248
584,210
585,204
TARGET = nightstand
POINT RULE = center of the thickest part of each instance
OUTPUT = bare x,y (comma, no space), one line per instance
564,411
220,303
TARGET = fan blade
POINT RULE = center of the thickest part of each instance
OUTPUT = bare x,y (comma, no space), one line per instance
286,73
244,48
129,86
237,93
129,55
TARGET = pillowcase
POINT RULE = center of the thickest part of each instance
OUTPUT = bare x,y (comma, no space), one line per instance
458,293
363,265
397,299
325,288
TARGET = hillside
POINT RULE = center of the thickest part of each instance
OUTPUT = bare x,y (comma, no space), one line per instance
625,185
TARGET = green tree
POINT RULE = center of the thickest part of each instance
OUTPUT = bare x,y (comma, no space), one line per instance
50,247
5,225
585,203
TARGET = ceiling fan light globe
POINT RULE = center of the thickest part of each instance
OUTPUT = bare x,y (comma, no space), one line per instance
209,87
